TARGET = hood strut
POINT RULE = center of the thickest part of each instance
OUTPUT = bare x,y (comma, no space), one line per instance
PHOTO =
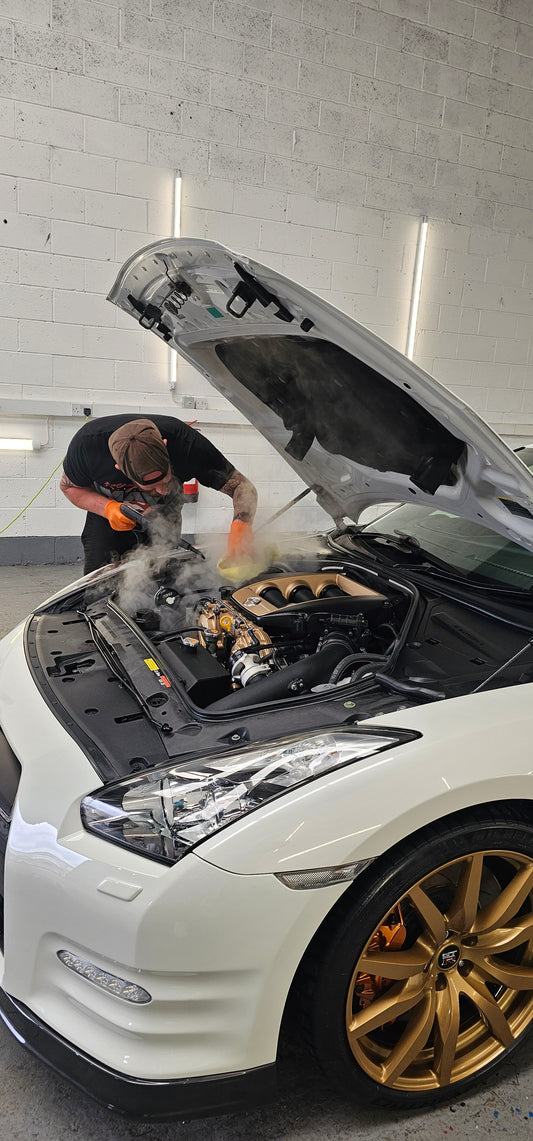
282,510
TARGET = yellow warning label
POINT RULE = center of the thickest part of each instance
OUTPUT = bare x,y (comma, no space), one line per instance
151,664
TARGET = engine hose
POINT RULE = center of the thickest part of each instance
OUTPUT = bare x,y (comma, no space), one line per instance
336,638
409,689
158,638
293,680
355,660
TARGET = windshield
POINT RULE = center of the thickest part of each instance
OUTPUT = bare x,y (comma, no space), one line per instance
468,549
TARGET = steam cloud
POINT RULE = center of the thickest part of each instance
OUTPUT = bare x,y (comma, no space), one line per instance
149,567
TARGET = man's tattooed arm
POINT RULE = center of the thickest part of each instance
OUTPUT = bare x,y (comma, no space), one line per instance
244,496
65,482
84,497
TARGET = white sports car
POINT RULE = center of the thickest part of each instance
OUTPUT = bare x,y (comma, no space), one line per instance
305,800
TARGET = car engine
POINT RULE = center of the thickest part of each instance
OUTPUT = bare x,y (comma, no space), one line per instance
279,637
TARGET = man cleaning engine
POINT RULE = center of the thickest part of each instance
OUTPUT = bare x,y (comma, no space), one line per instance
125,459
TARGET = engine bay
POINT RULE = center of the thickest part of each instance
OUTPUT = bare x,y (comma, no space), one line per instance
282,636
312,629
173,661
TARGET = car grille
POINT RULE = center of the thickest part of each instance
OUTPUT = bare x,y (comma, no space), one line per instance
9,781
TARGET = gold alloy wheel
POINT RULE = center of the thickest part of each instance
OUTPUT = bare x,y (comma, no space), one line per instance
460,988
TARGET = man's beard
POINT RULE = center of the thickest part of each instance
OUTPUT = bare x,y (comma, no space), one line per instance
173,489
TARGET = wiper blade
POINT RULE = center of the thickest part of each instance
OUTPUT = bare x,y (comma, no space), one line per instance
409,540
396,539
408,545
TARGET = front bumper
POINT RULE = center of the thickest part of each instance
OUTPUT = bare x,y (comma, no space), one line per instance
217,951
151,1100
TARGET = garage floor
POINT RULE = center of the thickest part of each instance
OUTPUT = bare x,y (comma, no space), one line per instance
38,1104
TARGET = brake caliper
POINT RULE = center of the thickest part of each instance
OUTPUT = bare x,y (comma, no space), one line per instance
389,937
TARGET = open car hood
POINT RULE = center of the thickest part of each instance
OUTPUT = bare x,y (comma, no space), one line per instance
356,420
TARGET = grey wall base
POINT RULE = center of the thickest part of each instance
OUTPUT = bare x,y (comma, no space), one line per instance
44,550
40,549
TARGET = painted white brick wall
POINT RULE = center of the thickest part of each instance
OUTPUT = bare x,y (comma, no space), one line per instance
311,135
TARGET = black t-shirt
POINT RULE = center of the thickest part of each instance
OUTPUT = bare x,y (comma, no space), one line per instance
89,463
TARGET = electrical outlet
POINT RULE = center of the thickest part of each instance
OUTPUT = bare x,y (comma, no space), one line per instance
188,402
82,410
202,403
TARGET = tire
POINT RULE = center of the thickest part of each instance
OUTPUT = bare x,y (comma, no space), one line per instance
423,984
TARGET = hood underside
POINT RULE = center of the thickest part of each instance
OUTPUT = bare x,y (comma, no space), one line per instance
356,420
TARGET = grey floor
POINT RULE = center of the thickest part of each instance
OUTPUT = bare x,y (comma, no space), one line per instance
36,1103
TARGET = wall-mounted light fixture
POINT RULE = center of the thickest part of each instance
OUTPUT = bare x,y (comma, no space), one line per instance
417,286
176,233
12,444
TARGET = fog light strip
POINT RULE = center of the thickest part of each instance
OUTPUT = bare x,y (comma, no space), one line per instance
121,988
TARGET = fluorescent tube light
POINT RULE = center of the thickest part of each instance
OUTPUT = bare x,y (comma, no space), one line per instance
16,445
176,233
417,285
176,207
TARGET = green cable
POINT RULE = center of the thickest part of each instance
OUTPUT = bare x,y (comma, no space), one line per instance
37,493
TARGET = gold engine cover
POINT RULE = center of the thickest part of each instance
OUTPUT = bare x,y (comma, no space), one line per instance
236,616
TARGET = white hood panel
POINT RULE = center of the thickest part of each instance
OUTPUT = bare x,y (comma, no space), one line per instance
357,421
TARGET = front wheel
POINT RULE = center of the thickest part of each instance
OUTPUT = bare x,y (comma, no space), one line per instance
426,982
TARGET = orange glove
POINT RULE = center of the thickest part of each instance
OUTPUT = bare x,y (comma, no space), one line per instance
240,540
115,518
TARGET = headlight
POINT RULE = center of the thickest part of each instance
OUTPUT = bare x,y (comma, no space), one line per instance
166,811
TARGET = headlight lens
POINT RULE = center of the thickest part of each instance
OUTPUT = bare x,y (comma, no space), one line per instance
164,812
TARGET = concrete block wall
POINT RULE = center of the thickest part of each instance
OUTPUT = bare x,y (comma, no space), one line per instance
310,134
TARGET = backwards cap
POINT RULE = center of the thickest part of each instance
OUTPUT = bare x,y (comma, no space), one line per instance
138,449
